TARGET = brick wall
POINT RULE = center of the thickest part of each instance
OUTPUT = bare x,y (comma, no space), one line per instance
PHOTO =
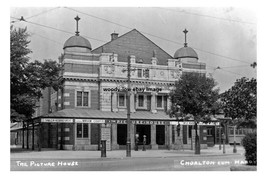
135,43
81,68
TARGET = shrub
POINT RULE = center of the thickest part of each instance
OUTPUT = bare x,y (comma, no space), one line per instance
249,142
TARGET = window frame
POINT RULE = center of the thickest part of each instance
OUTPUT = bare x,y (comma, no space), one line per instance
162,102
82,129
144,101
89,98
118,100
140,71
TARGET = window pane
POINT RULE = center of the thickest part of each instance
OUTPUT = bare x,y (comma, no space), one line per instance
79,98
85,130
79,130
121,100
85,98
159,101
139,73
141,100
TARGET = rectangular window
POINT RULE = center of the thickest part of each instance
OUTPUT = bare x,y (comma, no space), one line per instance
231,131
79,130
209,131
140,100
85,98
122,100
82,98
79,98
82,130
139,73
159,101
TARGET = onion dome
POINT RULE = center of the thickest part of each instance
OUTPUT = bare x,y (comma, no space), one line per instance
77,41
185,52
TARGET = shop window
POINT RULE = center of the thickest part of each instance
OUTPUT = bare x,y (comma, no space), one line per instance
82,130
159,102
122,100
82,98
231,131
209,131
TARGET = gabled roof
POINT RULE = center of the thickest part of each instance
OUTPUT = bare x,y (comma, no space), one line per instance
137,44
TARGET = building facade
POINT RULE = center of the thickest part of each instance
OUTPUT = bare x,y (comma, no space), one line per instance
92,104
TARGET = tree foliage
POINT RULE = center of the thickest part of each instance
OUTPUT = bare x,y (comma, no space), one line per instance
27,79
240,102
194,94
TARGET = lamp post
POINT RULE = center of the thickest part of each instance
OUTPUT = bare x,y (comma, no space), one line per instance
225,119
220,137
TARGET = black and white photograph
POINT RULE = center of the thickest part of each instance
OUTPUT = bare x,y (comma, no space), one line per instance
133,88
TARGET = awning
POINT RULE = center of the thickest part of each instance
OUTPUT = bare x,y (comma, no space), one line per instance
97,114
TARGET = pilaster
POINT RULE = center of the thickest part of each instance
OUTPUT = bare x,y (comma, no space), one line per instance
114,143
154,146
114,102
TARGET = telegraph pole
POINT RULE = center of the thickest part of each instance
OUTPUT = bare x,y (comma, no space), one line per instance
128,144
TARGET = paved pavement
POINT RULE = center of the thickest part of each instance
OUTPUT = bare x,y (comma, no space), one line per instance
18,153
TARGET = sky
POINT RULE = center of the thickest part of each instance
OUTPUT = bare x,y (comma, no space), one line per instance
224,37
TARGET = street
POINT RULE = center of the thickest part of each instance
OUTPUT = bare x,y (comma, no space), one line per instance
181,163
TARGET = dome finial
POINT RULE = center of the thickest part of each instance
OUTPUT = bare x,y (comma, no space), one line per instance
185,32
77,18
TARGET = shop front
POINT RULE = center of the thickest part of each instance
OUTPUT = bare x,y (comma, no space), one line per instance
84,130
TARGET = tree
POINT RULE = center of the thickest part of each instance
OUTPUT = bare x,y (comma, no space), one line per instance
28,79
194,95
240,102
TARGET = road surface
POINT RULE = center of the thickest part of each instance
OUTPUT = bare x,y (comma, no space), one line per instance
181,163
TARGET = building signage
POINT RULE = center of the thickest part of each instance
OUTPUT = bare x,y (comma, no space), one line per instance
89,121
105,135
193,123
141,122
57,120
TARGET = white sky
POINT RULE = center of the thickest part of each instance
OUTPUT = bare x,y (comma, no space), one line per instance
214,35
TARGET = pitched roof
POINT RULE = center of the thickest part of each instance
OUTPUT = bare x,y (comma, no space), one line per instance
137,44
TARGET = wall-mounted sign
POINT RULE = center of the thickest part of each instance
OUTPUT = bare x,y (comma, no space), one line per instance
57,120
193,123
105,135
141,122
89,121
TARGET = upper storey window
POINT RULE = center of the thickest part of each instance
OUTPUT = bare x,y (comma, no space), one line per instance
82,98
159,101
139,73
122,100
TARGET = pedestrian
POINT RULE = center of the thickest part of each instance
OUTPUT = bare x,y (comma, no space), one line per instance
144,143
136,141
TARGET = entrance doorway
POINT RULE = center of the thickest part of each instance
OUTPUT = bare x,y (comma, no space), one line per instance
160,134
210,135
121,134
143,130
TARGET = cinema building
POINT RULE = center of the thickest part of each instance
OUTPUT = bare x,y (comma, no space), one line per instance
91,105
